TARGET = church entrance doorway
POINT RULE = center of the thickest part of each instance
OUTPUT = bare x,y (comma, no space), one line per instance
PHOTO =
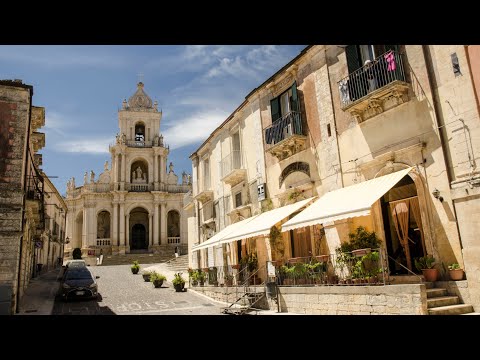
139,237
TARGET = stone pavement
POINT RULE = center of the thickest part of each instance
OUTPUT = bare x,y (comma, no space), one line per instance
39,297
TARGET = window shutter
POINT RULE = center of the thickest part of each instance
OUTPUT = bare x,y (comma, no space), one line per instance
275,108
353,58
294,104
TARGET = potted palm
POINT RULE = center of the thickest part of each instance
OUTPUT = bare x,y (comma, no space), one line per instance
157,279
426,265
455,272
178,282
135,267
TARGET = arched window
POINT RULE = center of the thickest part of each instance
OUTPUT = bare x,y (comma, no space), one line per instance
103,225
139,132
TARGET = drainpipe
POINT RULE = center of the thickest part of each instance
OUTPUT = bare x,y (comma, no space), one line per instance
24,200
441,127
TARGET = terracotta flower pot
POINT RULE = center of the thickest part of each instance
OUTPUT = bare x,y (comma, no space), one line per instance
456,275
361,252
430,274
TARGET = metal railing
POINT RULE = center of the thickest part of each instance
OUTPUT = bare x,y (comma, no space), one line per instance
34,188
359,267
380,72
283,128
231,162
406,268
173,240
139,143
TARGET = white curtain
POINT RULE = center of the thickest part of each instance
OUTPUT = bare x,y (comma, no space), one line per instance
400,216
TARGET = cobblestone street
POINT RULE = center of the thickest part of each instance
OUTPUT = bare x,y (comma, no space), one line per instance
123,293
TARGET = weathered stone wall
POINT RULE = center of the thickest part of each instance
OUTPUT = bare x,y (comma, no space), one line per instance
14,120
355,300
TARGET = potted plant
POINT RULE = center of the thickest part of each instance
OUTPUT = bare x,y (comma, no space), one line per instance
361,242
426,265
194,277
135,267
455,272
146,275
157,279
178,282
201,277
228,278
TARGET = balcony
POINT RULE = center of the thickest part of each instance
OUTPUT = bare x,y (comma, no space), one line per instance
285,136
139,187
139,143
233,171
174,188
206,194
207,213
375,87
173,240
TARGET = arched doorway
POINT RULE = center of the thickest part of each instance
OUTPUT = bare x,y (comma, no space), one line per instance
103,225
139,237
402,223
173,227
139,230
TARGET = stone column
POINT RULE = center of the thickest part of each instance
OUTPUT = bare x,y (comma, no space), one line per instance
123,170
155,224
127,231
85,228
122,229
114,228
92,236
150,230
163,224
116,167
155,170
162,168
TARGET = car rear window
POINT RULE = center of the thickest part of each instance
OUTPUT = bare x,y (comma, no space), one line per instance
78,275
76,264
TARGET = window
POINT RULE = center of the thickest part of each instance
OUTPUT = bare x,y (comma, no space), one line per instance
285,103
358,54
206,174
238,199
329,130
139,132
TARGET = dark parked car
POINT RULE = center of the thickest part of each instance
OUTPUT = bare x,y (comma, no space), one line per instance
79,283
72,264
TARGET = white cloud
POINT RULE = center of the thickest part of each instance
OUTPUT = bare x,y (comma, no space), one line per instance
61,56
90,145
193,129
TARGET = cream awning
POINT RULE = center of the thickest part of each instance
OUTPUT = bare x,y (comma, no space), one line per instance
262,223
347,202
214,240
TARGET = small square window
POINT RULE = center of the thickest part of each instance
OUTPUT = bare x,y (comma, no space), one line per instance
238,199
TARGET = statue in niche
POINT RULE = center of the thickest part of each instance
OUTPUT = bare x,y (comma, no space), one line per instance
170,167
138,176
85,178
139,173
105,166
155,140
92,176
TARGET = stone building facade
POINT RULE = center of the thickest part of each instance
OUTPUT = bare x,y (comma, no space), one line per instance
136,204
367,111
23,187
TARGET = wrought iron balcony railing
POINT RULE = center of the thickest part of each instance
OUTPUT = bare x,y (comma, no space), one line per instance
377,74
284,128
231,162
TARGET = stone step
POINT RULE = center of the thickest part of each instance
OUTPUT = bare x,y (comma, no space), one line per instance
472,313
130,258
442,301
436,292
429,284
451,310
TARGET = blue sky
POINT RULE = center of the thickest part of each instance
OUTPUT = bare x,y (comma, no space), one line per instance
82,88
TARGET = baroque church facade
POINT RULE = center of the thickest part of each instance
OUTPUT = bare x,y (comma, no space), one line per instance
135,205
